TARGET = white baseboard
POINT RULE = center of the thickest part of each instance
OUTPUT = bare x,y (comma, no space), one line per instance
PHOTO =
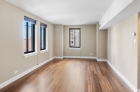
124,79
101,59
84,57
22,74
58,57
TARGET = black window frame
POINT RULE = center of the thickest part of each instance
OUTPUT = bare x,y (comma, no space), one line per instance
43,32
74,37
33,22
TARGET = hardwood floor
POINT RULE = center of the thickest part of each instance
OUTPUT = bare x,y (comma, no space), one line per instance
70,75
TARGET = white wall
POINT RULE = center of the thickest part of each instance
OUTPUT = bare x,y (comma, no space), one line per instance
114,10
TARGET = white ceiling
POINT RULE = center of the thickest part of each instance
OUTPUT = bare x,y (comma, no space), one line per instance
128,11
66,12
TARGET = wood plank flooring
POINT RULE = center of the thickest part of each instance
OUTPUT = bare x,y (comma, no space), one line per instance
70,75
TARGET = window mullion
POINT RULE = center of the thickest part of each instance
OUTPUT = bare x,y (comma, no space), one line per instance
27,36
80,39
74,38
44,38
32,42
33,31
41,38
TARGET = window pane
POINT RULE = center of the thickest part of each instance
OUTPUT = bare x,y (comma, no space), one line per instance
71,38
74,37
29,36
29,24
24,40
30,40
42,39
77,39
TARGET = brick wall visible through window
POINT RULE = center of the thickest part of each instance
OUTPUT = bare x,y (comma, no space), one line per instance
29,35
43,36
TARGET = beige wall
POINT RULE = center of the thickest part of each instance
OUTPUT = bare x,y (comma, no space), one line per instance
58,41
88,41
139,51
101,43
97,29
122,52
11,41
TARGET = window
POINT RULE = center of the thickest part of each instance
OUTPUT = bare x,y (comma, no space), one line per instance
43,36
75,38
29,35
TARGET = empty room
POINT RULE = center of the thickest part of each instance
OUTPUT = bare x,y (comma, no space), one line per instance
69,45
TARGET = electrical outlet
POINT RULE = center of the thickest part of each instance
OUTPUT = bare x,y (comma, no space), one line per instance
90,53
134,41
16,72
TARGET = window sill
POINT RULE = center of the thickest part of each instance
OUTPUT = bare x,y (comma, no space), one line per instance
43,51
30,54
75,48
